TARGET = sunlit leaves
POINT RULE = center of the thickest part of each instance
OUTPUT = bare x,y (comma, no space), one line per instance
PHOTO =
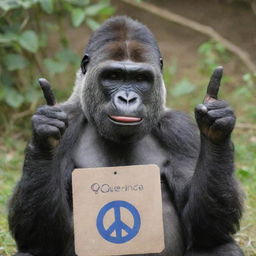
96,8
77,16
92,24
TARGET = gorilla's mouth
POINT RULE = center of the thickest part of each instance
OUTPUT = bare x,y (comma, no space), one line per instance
125,120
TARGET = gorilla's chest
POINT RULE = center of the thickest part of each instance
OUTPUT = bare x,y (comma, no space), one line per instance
93,151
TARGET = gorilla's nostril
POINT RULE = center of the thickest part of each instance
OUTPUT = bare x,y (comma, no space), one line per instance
123,99
133,100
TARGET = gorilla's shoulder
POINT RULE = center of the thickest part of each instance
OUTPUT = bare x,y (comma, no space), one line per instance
178,133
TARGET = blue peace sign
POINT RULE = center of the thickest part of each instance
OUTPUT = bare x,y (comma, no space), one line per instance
118,225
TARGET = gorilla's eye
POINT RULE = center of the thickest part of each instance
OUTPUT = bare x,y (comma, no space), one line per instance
140,78
113,76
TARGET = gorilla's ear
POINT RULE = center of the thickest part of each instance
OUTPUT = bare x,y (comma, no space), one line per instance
84,63
161,63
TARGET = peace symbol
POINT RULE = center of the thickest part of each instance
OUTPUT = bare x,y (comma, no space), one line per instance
118,225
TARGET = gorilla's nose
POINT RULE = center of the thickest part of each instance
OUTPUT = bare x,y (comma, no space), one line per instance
127,100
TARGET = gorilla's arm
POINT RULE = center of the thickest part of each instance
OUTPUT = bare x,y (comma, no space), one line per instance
38,210
213,208
39,215
201,181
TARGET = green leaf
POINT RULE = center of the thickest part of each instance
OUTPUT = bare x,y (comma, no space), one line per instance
15,61
77,16
205,47
14,98
182,87
7,5
92,24
32,95
26,4
4,39
107,11
54,66
47,5
243,173
94,9
8,37
247,77
6,78
43,40
78,2
29,41
2,92
67,55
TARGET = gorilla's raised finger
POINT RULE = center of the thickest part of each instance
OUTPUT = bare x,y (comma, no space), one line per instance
214,84
47,90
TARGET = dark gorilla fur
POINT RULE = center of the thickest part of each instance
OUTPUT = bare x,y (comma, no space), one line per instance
201,200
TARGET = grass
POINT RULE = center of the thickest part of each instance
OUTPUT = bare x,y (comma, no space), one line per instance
11,159
12,144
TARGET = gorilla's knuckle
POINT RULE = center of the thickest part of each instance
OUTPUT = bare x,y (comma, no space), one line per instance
42,109
216,104
46,130
198,107
201,109
49,111
41,129
62,116
35,118
226,123
61,125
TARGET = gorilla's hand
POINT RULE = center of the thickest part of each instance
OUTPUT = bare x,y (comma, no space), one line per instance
49,122
214,117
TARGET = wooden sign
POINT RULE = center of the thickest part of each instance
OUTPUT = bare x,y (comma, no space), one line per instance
117,210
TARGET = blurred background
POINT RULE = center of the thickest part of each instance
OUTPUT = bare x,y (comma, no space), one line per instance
46,38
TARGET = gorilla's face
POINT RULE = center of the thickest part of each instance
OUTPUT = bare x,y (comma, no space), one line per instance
124,99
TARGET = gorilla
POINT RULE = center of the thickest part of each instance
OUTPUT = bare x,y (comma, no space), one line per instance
116,116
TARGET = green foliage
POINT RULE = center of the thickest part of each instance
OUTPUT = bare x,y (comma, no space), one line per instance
15,62
211,54
169,72
29,41
182,87
25,26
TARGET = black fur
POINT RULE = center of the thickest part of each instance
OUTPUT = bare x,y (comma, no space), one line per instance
201,199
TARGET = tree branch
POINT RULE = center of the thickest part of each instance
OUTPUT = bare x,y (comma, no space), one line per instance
206,30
